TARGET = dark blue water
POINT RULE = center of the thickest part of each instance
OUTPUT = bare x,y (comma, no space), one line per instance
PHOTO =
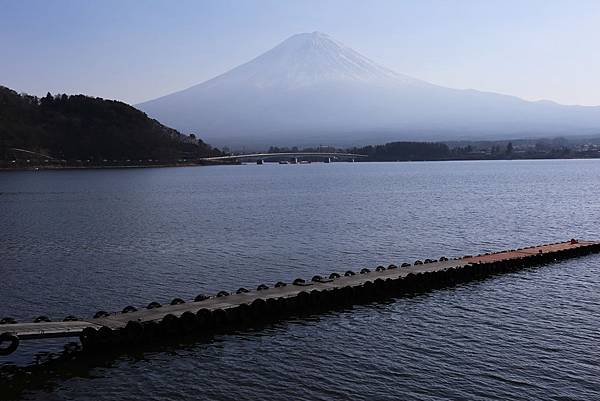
73,242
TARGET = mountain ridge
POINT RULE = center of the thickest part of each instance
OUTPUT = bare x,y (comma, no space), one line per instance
312,87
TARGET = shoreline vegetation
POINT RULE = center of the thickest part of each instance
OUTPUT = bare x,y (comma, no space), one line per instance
116,166
520,149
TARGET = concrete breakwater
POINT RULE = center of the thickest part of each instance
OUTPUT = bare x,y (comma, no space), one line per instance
243,308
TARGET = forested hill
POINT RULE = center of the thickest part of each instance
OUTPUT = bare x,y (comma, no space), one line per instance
82,127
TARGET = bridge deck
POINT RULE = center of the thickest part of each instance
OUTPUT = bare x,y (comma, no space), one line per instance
284,154
27,331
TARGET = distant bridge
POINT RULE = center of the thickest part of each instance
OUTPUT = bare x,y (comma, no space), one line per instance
289,154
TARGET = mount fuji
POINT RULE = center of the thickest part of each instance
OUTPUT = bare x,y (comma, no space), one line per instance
312,89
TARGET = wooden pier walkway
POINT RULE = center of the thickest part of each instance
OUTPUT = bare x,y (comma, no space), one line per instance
287,299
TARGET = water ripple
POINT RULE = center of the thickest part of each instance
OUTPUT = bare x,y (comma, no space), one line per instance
74,242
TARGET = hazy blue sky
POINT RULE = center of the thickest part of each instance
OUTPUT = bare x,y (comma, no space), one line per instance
138,50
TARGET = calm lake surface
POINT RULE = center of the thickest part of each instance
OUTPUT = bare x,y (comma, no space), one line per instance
74,242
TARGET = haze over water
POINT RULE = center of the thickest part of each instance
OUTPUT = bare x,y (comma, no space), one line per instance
74,242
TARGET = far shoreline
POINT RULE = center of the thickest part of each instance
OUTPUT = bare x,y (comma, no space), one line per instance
222,163
113,167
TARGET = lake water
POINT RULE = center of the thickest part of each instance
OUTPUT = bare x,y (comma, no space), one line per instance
74,242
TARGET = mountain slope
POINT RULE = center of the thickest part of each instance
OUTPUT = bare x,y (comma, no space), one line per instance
311,88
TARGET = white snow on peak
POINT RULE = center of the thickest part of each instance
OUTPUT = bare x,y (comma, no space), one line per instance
307,59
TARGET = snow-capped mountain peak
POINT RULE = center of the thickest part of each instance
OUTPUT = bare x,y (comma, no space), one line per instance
312,89
311,58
